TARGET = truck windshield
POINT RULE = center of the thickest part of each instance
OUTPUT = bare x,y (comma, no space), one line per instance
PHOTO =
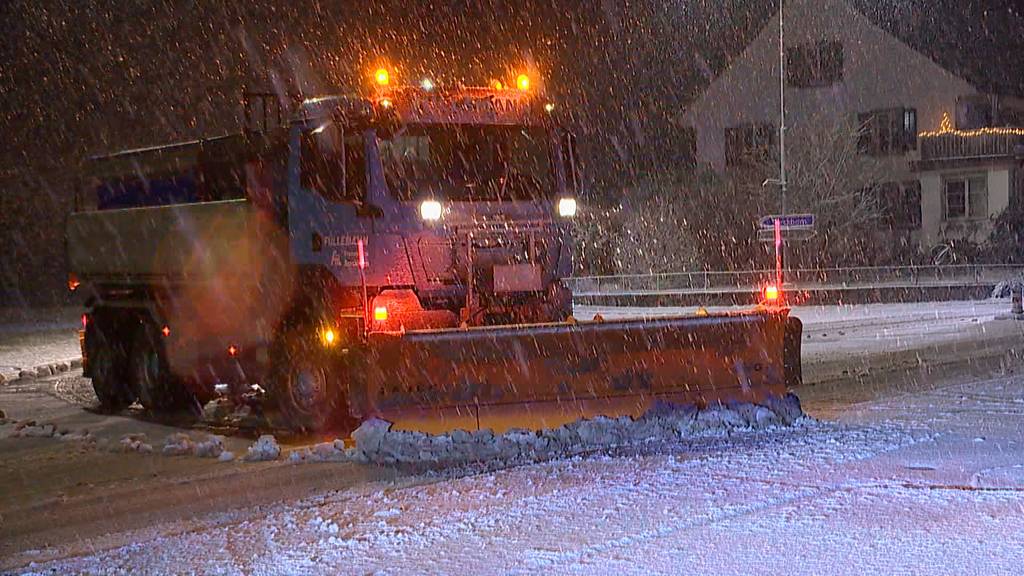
468,163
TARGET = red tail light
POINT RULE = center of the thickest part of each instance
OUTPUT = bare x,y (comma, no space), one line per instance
85,321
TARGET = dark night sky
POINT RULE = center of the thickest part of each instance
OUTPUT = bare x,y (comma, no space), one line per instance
83,77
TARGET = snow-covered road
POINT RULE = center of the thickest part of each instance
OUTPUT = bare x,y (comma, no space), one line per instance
903,493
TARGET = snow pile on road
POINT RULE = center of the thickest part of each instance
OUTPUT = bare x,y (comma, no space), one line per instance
265,448
181,444
178,444
325,452
136,442
212,447
33,429
377,443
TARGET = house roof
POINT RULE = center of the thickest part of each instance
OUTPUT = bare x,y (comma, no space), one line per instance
978,41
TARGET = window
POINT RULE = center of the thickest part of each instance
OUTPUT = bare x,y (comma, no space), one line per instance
965,198
814,65
468,162
748,143
333,166
887,131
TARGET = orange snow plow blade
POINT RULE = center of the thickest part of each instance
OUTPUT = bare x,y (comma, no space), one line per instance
543,376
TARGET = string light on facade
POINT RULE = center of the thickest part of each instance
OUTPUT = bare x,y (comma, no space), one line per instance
946,128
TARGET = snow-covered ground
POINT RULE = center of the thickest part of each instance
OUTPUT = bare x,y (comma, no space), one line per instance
927,481
834,498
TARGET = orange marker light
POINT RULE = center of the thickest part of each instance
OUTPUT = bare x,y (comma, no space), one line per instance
771,293
497,85
380,314
329,336
381,77
232,350
73,282
523,82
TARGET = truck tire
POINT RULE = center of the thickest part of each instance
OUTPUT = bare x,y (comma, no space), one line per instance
156,387
105,348
305,380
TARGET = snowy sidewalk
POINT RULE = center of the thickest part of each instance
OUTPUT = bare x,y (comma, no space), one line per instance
34,340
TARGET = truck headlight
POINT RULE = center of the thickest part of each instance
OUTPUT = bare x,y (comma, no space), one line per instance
567,207
430,210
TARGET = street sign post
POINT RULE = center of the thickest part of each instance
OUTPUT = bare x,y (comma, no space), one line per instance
788,222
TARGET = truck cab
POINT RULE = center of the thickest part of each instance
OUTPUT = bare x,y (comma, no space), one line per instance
448,206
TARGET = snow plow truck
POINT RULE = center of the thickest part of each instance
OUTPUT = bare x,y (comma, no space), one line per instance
396,254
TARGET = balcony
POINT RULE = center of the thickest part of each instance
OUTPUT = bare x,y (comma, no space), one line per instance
955,148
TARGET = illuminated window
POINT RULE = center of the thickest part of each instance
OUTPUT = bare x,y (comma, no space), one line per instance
887,131
814,65
749,143
965,198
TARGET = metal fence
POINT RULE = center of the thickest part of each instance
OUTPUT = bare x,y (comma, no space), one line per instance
860,278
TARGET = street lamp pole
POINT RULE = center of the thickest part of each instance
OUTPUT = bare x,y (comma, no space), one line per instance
782,131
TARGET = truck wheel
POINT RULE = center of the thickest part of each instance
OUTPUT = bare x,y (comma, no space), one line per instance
304,381
108,363
154,384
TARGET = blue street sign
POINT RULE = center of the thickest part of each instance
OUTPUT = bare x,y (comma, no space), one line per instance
789,222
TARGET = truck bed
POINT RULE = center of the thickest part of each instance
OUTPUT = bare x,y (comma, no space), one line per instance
183,242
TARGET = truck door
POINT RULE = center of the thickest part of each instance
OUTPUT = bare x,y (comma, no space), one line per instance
327,208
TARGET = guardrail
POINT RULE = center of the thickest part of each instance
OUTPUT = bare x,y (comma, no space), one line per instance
818,279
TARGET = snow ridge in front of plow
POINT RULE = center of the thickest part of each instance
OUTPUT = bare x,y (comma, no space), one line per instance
377,443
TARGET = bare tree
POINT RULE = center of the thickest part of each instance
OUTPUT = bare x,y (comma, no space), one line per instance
830,177
698,219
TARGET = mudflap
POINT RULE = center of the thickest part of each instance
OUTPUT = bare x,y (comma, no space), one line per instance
543,376
791,352
86,372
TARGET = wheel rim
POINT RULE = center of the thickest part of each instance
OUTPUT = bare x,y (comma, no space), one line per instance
307,388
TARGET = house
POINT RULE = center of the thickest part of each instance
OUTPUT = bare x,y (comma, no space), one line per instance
841,64
971,171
